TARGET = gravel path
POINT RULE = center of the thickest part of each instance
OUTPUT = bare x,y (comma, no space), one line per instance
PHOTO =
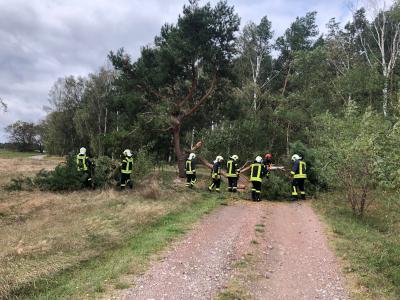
294,261
298,263
198,266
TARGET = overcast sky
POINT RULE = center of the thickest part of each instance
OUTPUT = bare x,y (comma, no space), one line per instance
42,40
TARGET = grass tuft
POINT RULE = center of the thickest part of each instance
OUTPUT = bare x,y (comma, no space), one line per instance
369,245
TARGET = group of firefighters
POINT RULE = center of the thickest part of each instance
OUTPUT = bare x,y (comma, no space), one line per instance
259,169
85,166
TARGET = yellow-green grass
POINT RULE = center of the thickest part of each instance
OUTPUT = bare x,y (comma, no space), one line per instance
369,245
16,154
82,244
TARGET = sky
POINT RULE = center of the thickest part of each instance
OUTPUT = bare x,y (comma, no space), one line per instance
43,40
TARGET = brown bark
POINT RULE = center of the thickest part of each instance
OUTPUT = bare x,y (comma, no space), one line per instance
176,130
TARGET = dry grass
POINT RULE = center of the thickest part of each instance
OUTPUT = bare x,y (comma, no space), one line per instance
14,167
43,233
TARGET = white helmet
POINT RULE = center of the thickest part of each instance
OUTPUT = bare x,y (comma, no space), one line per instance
259,159
192,156
127,152
219,158
235,157
82,150
295,157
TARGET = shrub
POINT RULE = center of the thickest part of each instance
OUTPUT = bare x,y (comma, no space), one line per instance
64,177
19,184
103,171
276,187
142,165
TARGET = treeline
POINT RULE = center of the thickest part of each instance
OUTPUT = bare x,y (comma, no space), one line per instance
203,79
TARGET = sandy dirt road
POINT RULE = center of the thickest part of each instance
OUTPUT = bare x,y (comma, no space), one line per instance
292,258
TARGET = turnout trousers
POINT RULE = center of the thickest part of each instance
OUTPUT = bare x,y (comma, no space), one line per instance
232,184
216,182
298,188
190,180
125,180
256,191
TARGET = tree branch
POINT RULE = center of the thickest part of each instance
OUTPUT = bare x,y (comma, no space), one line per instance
204,98
151,91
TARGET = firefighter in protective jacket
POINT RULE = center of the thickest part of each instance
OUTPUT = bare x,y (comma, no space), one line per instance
190,170
216,174
232,173
84,165
257,172
299,175
126,169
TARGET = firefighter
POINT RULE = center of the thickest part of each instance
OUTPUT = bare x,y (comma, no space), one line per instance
84,166
232,173
216,175
257,172
190,170
268,164
299,175
126,169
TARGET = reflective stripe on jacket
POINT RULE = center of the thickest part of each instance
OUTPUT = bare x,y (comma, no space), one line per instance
232,168
216,171
190,167
257,172
127,165
81,162
299,170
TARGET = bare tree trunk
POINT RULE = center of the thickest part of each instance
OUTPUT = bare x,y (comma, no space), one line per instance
385,95
178,151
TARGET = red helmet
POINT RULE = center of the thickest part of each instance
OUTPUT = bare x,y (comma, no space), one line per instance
268,155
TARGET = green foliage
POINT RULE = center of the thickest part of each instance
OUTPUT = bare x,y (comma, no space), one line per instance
143,164
65,177
276,187
103,170
358,153
19,184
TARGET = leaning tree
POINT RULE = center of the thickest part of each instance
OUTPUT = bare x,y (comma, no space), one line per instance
184,67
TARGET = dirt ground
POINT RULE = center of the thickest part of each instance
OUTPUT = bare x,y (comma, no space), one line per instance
290,258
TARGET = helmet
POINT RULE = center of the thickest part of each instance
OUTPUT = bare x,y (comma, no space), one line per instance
127,152
192,156
268,155
235,157
295,157
82,150
219,158
258,159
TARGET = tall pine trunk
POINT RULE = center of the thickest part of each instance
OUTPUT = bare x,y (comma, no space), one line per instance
176,130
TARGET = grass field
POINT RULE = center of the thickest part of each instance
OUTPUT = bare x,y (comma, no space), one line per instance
369,246
84,244
16,154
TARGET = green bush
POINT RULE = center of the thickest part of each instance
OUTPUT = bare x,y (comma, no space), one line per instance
103,171
65,177
276,187
19,184
143,165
